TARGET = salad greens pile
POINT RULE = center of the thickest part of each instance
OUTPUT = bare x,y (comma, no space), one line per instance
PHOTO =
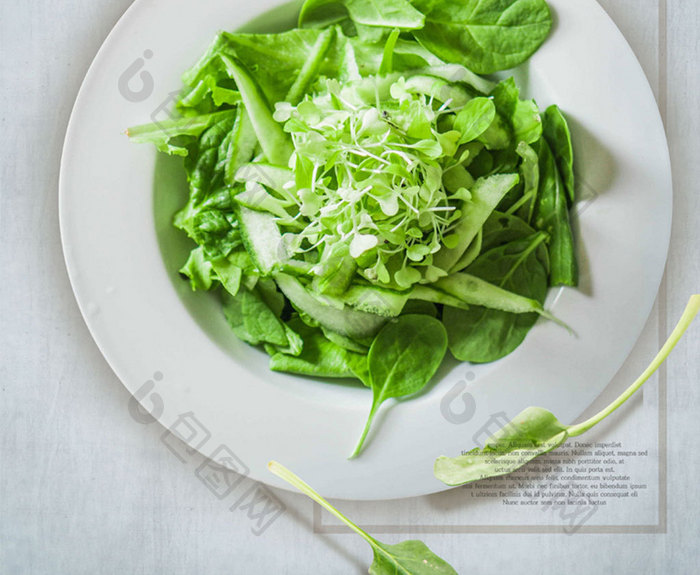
363,199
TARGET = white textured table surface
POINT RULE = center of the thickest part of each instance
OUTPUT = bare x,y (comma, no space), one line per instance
85,489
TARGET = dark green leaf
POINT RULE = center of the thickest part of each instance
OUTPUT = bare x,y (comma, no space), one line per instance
482,334
403,357
552,216
502,229
558,136
484,35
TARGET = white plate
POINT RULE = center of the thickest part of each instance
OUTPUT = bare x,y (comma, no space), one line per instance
145,321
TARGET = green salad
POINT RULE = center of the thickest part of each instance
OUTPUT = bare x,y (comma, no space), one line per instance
365,194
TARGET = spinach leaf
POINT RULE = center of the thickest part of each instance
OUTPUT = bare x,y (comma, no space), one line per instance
552,216
502,228
527,122
484,35
379,13
481,334
403,357
536,431
558,136
410,557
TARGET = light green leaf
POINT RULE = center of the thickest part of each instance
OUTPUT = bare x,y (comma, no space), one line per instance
406,558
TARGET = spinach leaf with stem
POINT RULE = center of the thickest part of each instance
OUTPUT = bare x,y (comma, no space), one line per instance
403,357
410,557
536,431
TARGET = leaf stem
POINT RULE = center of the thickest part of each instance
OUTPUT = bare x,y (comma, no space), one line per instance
370,417
689,314
291,478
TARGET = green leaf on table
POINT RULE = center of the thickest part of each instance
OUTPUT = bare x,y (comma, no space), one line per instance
536,431
403,357
485,35
410,557
533,432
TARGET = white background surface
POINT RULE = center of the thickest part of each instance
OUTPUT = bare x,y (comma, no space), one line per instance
83,488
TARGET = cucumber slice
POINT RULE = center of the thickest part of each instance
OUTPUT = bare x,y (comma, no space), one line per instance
486,194
262,239
375,300
349,322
